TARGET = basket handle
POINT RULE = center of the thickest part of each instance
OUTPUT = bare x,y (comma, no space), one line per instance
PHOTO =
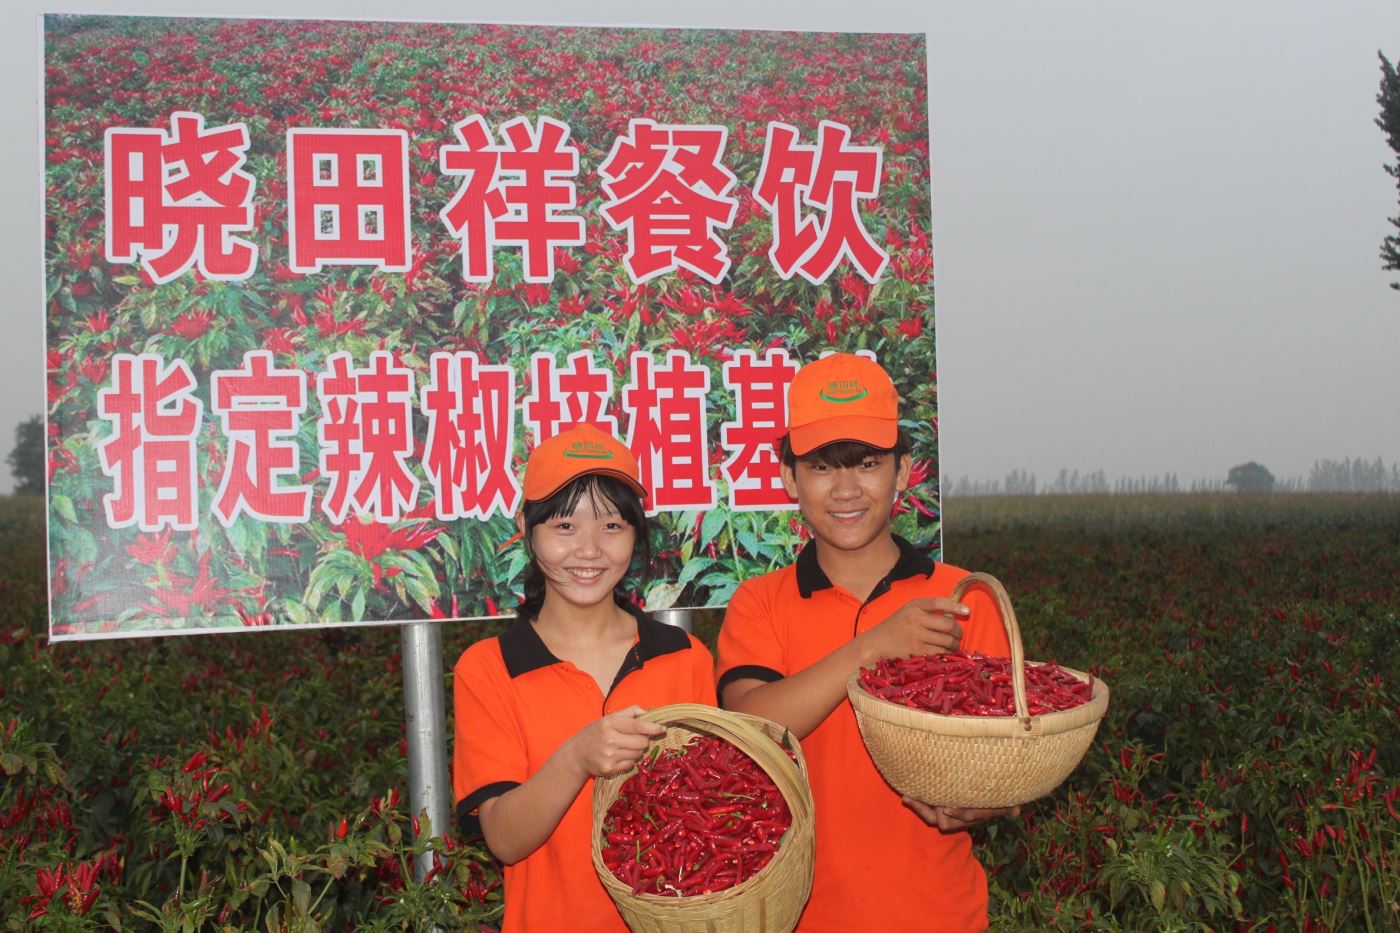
1013,635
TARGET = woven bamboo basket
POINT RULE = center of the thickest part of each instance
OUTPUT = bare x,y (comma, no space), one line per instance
979,761
770,901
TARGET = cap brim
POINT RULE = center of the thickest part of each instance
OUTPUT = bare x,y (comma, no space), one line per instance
876,432
631,482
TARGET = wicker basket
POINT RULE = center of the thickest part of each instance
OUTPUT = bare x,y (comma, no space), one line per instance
978,761
770,901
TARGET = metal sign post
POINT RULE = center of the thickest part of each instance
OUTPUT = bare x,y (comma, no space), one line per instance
680,618
425,716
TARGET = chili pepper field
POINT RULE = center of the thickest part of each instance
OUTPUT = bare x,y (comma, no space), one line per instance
1247,775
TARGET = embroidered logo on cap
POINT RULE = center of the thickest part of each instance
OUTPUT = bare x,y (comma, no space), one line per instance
588,450
844,390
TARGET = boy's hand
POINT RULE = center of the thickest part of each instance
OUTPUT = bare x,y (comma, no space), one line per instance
921,626
956,819
613,744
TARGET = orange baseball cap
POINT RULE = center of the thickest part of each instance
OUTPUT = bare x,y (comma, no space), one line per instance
579,451
842,397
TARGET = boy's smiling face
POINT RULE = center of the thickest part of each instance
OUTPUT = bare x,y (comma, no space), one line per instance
848,508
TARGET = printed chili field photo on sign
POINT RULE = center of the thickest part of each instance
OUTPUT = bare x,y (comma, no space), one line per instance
315,288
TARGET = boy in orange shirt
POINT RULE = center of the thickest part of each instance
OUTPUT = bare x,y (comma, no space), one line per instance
857,593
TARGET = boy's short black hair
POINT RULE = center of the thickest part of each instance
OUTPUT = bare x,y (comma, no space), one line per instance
842,453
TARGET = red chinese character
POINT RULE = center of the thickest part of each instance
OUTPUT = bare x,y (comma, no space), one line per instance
347,194
760,409
667,431
150,455
175,199
258,405
471,436
366,435
560,399
831,176
512,195
667,187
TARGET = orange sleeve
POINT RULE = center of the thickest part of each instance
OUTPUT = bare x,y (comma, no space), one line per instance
488,736
749,641
984,630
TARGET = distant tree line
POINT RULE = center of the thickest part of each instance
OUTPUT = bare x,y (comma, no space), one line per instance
1354,476
1327,476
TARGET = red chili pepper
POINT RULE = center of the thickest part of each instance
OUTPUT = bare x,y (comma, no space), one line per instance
695,819
972,684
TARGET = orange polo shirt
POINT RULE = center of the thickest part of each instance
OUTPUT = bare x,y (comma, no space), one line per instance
515,704
878,866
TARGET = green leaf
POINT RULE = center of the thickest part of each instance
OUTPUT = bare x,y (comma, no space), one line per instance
63,507
301,897
424,592
721,594
82,546
663,596
1158,895
515,564
693,568
357,606
237,534
449,545
711,525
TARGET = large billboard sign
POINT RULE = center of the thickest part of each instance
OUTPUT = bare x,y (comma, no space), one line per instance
315,288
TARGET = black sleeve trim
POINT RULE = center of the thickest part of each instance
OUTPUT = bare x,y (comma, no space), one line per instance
468,823
746,672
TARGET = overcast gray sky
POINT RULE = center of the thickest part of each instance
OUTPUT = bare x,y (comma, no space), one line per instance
1155,226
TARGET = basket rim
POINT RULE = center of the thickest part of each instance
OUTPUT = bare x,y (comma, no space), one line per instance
1009,726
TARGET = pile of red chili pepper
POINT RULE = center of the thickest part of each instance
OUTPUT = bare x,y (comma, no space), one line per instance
968,683
694,820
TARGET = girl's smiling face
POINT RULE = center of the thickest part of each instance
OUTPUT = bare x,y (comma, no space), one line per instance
584,555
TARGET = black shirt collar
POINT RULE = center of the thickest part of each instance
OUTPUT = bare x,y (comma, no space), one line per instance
911,563
523,650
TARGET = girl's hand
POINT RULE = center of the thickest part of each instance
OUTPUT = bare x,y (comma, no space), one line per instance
613,744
